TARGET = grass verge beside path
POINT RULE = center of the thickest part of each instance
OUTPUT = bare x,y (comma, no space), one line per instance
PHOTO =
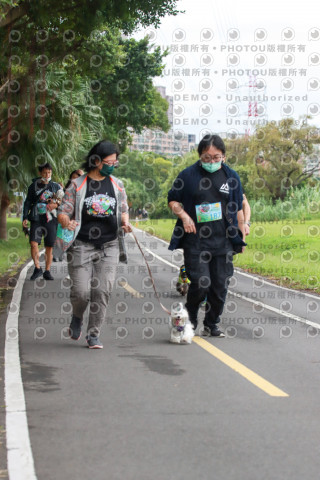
16,250
286,251
14,253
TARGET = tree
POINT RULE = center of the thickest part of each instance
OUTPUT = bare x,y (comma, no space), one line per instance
178,163
240,158
144,175
44,38
128,99
71,125
277,153
37,34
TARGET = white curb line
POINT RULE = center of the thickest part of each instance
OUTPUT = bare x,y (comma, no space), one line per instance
19,456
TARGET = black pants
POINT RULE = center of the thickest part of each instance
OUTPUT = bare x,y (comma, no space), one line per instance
210,277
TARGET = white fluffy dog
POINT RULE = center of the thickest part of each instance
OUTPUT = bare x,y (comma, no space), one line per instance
181,330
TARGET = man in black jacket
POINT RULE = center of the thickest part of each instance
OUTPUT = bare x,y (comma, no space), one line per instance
40,208
207,198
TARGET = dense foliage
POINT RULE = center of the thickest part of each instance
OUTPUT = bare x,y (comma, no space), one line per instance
69,77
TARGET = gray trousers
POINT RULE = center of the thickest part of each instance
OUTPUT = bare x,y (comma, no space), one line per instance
92,272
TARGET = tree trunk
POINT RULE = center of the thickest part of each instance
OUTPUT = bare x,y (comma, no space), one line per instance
11,14
5,202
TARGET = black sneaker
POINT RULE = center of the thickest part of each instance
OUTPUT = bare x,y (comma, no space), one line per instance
47,275
212,332
75,328
37,272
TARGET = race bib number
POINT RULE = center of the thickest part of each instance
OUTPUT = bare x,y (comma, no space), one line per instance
208,212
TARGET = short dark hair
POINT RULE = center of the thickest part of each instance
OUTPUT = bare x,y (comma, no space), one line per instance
69,179
45,165
73,172
211,140
99,151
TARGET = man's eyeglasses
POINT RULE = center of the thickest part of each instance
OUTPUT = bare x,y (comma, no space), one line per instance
206,158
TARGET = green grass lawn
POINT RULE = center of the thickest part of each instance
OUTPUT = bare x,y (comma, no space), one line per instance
160,228
287,251
16,250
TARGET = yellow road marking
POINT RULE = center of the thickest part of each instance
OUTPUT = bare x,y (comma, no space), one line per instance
252,377
131,290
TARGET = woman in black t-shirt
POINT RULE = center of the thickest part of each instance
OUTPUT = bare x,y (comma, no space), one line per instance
95,209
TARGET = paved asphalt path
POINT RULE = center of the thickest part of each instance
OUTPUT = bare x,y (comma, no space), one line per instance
143,408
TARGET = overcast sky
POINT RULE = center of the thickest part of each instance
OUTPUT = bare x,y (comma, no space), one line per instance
235,64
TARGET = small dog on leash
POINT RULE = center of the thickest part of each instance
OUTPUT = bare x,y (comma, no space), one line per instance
181,330
183,282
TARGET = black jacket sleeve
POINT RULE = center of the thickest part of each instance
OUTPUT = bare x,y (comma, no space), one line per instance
28,201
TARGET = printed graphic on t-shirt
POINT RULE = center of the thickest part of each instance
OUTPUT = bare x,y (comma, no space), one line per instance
100,205
44,197
224,188
43,200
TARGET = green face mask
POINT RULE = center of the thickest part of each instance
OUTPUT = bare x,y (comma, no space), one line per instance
211,167
106,170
